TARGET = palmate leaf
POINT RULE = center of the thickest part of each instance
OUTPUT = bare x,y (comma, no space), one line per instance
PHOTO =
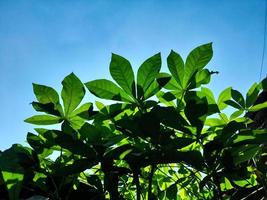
72,93
122,72
107,90
147,73
197,59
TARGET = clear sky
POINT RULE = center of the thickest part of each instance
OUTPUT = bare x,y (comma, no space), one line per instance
43,41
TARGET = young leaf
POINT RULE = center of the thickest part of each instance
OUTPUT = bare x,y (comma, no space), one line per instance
106,89
224,96
122,72
176,66
72,93
147,74
197,59
43,120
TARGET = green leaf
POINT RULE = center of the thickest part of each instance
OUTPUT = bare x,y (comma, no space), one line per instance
238,97
161,80
45,94
233,104
122,72
236,114
83,111
107,90
176,67
258,107
214,122
48,108
197,59
13,182
72,93
43,120
196,111
244,153
252,95
147,73
202,77
172,192
224,96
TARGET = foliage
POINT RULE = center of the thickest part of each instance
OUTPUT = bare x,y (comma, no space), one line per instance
164,136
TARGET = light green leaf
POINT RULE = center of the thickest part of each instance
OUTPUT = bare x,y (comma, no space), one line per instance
176,66
147,74
236,114
214,122
224,96
72,93
258,107
197,59
43,119
106,89
202,77
122,72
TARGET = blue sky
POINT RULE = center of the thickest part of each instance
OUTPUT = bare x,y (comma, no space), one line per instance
43,41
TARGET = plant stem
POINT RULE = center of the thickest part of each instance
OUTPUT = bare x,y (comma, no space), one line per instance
150,182
137,184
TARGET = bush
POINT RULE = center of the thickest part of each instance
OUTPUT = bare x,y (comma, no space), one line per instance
164,136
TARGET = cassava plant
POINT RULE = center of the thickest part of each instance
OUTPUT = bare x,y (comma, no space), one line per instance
162,136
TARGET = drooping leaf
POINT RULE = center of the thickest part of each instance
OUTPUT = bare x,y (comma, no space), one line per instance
122,72
147,74
43,119
72,93
107,90
176,67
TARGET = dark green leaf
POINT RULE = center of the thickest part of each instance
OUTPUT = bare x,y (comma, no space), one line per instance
172,192
238,97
